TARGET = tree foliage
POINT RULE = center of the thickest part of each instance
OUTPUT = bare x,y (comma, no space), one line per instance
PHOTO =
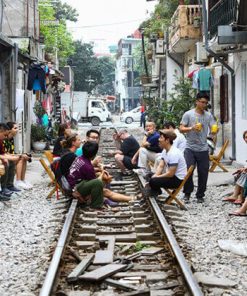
87,71
180,100
56,37
160,18
63,11
107,70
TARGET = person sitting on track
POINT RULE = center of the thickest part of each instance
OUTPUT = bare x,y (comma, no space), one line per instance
148,151
128,146
89,189
237,197
172,158
70,145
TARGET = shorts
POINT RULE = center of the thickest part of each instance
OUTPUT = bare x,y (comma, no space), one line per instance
241,179
128,164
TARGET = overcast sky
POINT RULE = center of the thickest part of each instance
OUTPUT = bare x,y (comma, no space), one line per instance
124,15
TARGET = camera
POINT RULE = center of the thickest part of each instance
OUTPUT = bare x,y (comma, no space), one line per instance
29,155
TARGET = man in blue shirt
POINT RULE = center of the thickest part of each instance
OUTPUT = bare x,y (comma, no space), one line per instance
149,149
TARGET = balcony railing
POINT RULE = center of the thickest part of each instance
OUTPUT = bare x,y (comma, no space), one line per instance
185,26
224,12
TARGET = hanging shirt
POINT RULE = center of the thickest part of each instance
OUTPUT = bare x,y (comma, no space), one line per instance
204,79
195,80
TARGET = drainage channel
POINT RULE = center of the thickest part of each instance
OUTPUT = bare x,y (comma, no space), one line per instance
127,250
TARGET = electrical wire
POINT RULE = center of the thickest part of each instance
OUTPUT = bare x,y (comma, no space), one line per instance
104,25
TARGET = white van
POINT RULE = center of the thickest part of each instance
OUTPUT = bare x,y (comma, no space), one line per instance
132,115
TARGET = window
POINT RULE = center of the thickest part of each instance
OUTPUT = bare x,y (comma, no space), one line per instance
244,89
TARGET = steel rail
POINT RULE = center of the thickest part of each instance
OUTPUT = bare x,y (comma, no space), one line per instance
190,279
56,258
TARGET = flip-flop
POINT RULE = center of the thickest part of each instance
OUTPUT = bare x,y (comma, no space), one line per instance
229,199
238,214
237,202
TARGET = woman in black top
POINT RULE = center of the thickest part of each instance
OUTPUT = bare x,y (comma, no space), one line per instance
63,132
70,145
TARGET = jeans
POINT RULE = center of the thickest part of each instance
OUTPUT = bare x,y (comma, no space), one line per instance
7,180
201,160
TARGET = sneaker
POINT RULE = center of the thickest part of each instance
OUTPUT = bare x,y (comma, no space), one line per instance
200,200
6,192
4,197
21,185
28,184
186,198
14,189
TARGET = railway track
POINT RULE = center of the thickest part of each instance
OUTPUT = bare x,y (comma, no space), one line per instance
124,250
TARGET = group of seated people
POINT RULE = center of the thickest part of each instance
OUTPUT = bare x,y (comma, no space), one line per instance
86,177
163,149
13,165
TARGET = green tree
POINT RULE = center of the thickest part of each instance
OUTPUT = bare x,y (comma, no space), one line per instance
56,37
87,71
161,17
64,11
180,100
107,70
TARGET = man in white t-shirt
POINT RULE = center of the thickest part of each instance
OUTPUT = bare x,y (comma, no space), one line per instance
173,160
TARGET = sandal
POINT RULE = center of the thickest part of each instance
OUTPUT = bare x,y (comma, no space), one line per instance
229,199
238,202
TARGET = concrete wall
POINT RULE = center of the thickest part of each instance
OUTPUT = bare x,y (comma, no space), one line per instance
172,69
241,123
20,18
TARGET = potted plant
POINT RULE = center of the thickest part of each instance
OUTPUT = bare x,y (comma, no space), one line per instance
38,137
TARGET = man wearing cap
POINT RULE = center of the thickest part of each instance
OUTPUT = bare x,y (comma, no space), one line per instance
128,146
172,160
196,123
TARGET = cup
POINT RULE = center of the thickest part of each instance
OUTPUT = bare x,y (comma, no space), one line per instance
214,128
199,126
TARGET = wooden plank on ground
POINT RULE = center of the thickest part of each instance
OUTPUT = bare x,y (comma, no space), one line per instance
151,251
80,268
102,272
119,285
123,182
105,256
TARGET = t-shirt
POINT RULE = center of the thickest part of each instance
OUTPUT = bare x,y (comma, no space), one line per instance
197,141
180,141
204,79
66,162
81,169
129,146
174,157
1,147
153,139
9,146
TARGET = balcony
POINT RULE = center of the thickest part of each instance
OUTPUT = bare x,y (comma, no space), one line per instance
185,29
221,12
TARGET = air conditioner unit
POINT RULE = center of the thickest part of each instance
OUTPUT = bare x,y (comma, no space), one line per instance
160,47
201,53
